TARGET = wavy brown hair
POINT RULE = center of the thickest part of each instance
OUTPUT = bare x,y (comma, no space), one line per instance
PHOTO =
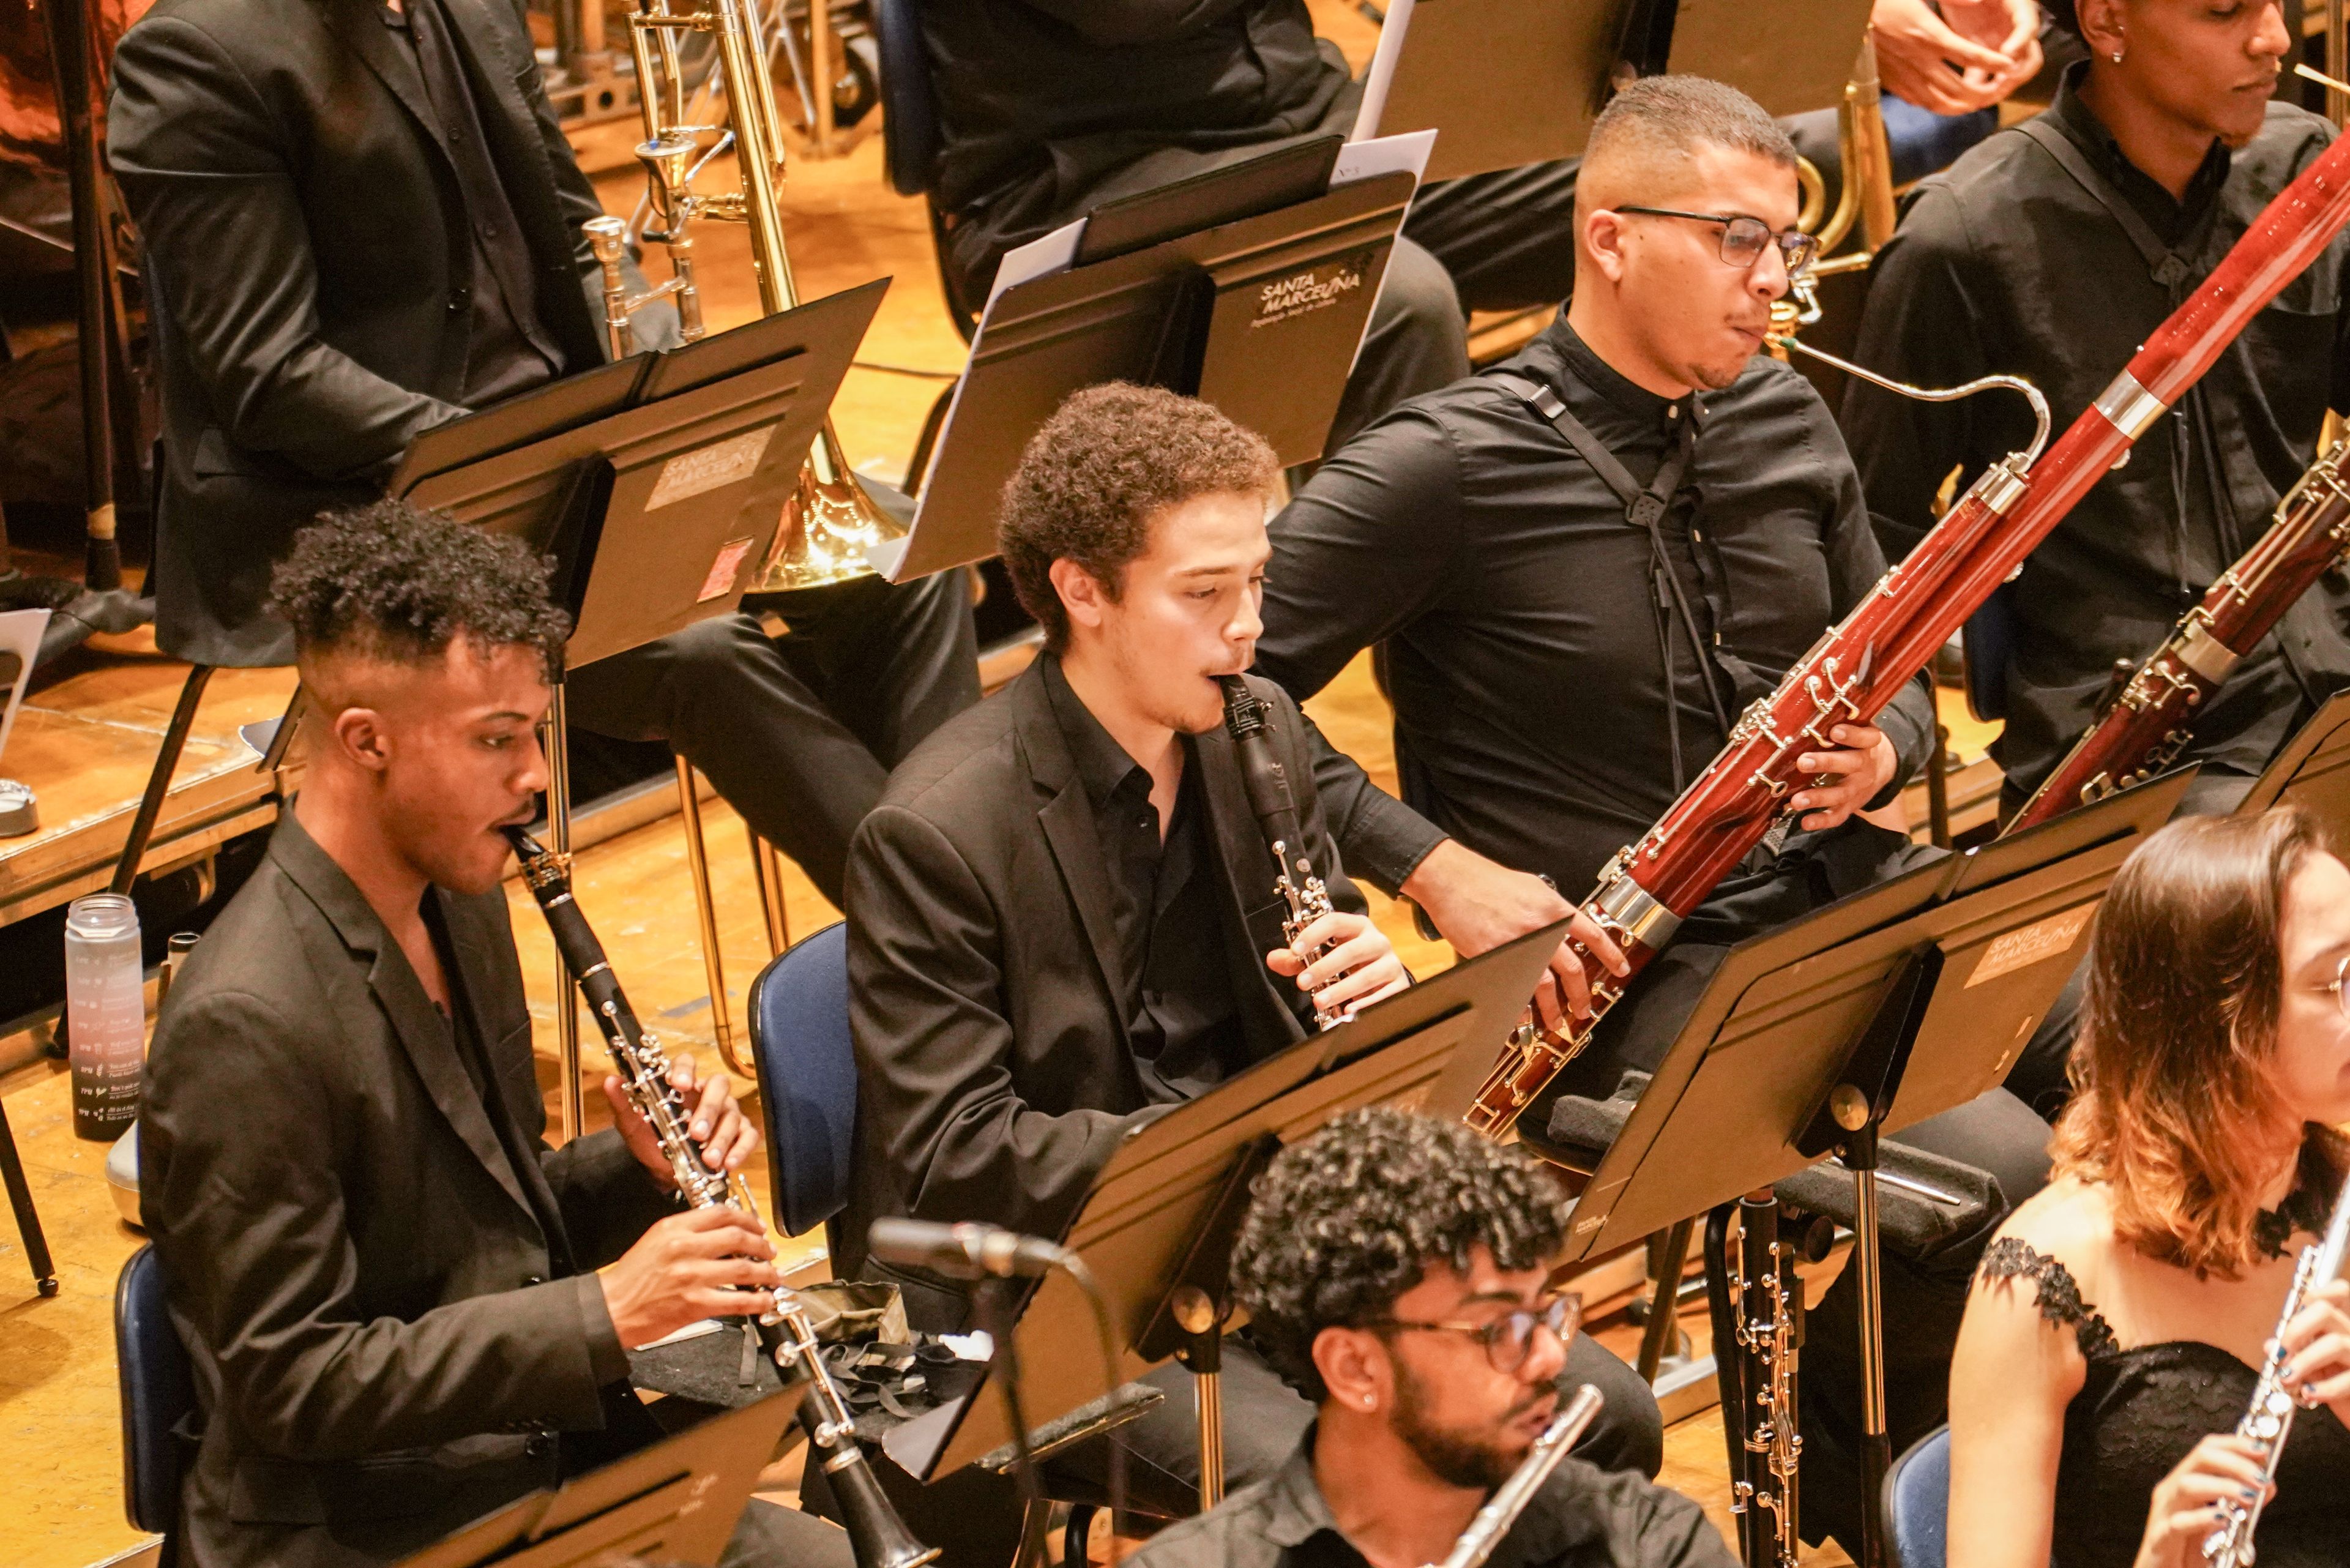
2175,1104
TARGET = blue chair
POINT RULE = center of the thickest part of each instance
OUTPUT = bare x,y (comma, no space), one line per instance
158,1395
1989,638
1918,1503
807,1077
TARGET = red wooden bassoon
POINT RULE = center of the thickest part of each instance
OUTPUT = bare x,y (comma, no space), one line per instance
2142,730
1860,665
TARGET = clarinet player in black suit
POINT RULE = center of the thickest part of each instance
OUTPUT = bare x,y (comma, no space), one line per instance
360,221
403,1309
1062,918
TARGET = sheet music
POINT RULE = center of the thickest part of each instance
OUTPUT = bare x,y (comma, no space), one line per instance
1377,80
20,634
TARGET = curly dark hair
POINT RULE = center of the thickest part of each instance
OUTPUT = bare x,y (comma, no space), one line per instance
1341,1224
1109,460
395,581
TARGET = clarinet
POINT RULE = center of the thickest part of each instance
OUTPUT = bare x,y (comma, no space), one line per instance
2143,727
1510,1498
2268,1419
1275,809
1766,1306
1863,663
785,1335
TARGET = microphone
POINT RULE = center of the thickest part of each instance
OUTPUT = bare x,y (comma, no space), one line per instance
964,1251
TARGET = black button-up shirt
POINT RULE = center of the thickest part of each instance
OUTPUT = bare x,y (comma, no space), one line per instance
1584,1516
1182,1020
507,349
1516,611
2006,261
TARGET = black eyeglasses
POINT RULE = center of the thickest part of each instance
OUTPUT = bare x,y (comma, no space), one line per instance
1510,1338
1742,238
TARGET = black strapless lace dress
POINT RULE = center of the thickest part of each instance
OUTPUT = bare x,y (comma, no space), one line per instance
2139,1413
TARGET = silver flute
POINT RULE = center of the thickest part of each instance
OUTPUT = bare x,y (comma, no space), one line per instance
1510,1498
2268,1421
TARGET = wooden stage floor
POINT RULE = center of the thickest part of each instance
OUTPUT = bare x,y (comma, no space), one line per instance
85,742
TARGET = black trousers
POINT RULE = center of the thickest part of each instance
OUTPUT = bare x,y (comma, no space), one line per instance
975,1516
1488,242
799,732
1998,1132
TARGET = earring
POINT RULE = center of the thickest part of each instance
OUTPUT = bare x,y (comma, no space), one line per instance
2116,57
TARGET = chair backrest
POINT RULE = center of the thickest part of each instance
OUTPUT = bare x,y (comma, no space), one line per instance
909,117
159,1392
807,1076
1988,638
1918,1503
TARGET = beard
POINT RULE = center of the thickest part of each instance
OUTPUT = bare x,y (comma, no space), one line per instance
1455,1456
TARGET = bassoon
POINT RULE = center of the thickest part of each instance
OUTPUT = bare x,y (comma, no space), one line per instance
2143,727
1862,663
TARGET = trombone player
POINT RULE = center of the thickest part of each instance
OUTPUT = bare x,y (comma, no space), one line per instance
360,221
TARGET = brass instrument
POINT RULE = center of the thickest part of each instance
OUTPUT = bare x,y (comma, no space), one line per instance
830,520
787,1335
1500,1511
1863,196
2268,1419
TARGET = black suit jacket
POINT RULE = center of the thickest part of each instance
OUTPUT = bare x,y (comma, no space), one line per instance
388,1320
310,269
993,1074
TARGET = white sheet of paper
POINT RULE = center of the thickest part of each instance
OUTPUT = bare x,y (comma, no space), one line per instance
1381,76
1055,251
1384,155
20,634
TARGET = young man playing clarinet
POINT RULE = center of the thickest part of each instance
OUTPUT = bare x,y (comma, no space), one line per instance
405,1310
2050,252
1062,917
1578,569
1395,1270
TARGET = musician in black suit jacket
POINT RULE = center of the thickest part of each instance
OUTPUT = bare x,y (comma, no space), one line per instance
384,1277
360,221
1061,915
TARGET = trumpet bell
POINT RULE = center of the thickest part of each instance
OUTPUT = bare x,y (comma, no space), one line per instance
828,522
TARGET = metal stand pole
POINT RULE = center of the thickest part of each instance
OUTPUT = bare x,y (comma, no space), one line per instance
1658,1334
159,779
2337,61
767,869
1203,1351
1937,789
28,1223
705,908
1859,1156
567,985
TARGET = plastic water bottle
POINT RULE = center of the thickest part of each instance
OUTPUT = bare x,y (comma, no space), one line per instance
106,1013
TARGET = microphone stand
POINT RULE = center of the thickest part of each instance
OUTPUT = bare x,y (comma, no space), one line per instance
997,1313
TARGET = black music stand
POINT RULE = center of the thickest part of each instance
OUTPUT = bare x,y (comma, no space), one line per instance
1158,1227
1469,71
1259,315
2311,772
659,515
676,1501
1842,1028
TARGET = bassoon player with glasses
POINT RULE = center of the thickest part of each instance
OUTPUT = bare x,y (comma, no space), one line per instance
404,1310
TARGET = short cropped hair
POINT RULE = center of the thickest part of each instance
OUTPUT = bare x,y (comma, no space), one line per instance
393,581
1341,1224
1674,115
1092,480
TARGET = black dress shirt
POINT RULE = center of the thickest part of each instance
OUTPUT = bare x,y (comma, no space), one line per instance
2007,262
1584,1516
1517,616
507,349
1182,1022
1040,100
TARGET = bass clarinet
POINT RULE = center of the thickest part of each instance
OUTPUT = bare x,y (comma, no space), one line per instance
2268,1419
1861,664
787,1335
1275,809
2145,725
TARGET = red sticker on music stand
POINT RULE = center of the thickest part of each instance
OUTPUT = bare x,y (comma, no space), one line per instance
728,561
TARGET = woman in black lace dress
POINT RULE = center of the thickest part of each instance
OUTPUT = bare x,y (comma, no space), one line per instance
2112,1339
